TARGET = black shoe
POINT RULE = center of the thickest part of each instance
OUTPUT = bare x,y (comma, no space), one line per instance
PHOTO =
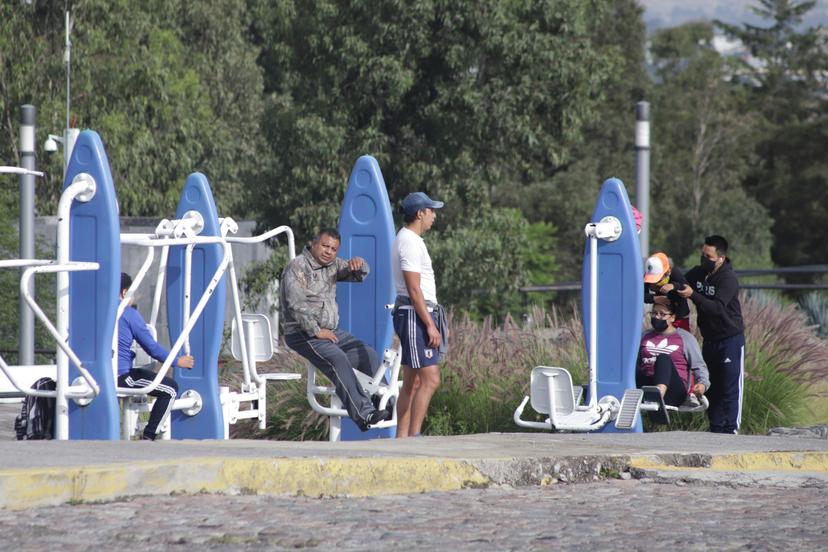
390,407
377,416
147,437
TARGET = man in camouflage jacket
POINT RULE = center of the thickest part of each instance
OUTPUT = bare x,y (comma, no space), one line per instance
311,320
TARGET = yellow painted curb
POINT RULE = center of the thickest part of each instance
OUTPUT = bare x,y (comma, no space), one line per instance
28,487
746,462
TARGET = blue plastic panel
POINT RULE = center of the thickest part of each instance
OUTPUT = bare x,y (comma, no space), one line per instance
205,339
367,229
93,295
620,296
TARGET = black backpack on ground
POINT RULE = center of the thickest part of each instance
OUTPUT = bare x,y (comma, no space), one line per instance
37,416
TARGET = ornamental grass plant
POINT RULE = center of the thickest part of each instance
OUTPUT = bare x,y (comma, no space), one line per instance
486,373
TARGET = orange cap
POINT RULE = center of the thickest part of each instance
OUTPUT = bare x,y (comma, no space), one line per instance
656,267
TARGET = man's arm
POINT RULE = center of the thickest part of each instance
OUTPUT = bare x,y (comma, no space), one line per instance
142,335
412,284
355,270
296,285
716,305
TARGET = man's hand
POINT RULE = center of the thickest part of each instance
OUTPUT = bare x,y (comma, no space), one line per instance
699,389
356,264
433,337
685,292
186,361
666,288
324,333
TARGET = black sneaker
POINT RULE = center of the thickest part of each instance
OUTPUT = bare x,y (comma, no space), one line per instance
390,406
378,416
375,400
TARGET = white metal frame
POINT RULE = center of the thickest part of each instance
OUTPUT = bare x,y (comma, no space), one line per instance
254,388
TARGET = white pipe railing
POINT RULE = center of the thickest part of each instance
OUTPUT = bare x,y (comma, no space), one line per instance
82,188
63,344
19,170
270,234
593,320
33,266
159,286
608,229
228,225
188,284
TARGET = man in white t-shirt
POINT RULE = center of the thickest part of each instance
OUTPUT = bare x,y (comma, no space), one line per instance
419,321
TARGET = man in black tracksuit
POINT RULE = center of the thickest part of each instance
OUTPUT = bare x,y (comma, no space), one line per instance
714,289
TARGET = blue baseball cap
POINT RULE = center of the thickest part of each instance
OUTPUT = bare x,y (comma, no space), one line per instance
417,202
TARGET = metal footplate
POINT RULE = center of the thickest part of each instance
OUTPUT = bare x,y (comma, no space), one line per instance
654,404
630,403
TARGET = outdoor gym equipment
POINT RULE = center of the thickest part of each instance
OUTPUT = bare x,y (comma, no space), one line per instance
612,298
88,272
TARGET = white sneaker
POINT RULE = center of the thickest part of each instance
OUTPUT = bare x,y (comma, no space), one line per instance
692,401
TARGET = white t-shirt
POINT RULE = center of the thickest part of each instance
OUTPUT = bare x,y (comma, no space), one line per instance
411,255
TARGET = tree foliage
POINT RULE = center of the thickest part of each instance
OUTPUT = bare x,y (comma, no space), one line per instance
703,141
565,197
171,86
511,112
786,86
454,98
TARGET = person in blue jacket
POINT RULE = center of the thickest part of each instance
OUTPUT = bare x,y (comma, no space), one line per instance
132,327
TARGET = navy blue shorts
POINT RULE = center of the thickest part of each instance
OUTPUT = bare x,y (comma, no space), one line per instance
414,339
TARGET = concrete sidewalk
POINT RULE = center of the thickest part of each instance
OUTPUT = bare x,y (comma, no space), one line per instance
34,473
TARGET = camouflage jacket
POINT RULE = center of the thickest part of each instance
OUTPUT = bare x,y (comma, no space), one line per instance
308,292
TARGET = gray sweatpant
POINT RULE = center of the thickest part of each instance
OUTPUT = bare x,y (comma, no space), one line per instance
337,361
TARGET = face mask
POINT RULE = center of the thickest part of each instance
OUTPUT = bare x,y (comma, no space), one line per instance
663,281
707,265
658,324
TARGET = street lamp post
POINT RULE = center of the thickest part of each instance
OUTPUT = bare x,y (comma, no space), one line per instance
28,115
642,171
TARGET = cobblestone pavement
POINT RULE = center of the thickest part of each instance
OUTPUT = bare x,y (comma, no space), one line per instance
633,515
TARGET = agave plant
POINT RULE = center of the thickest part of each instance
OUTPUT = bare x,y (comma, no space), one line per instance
815,306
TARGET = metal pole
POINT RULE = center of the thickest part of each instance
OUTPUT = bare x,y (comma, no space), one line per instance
28,116
642,171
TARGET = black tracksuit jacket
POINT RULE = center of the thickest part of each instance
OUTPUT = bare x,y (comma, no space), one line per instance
716,297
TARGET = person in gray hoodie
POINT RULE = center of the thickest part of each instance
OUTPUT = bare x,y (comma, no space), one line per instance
311,320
